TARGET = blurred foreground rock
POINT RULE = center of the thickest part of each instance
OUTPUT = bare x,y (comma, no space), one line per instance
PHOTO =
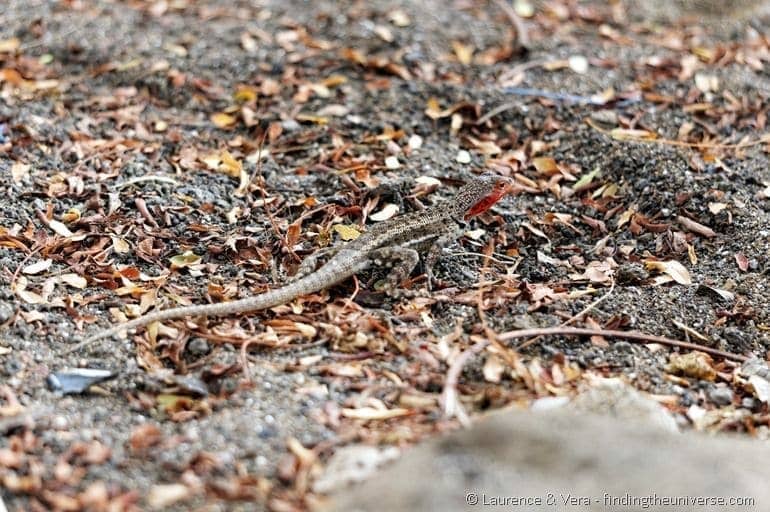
538,460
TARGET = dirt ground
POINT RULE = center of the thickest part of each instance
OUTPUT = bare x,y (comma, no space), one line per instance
177,152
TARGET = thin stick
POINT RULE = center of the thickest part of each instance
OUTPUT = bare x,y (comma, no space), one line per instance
449,399
518,25
495,111
636,337
669,142
151,177
588,308
497,258
269,214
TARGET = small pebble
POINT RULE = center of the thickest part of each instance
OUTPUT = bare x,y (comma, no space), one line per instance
6,312
578,64
721,395
59,423
463,157
392,162
415,141
198,347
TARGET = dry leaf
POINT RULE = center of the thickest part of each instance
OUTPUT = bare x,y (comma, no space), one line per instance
693,364
463,52
672,268
695,227
371,413
9,45
186,259
229,165
19,171
37,267
627,134
760,387
742,261
545,165
59,228
493,369
119,245
346,232
163,496
222,120
388,211
715,208
74,280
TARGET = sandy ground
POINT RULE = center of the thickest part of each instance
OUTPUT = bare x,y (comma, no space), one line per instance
129,132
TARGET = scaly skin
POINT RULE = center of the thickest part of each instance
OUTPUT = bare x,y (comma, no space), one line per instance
399,239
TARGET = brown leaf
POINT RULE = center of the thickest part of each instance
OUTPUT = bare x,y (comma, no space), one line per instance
143,437
742,261
545,165
223,120
672,268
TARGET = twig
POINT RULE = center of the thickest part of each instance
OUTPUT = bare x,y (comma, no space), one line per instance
495,111
637,337
269,214
571,319
497,258
141,179
141,205
556,96
21,265
60,37
449,399
522,38
669,142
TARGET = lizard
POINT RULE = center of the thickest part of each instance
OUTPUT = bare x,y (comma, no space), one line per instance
397,240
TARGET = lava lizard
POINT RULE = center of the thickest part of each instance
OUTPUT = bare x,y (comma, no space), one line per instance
397,240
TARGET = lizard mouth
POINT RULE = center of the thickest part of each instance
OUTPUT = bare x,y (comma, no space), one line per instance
486,202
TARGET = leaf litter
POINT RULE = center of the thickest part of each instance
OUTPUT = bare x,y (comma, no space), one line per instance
257,165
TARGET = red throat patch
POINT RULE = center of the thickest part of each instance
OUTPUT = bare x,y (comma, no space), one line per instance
485,204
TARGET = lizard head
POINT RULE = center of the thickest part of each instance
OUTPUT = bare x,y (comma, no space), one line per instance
480,194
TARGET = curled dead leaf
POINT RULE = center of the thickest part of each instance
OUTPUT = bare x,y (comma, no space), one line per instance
186,259
672,268
37,267
59,228
388,211
74,280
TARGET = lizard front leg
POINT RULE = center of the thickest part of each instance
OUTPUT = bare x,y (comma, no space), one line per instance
435,252
402,261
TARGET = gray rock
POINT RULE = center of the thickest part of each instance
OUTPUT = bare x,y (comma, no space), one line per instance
352,463
543,459
721,395
616,398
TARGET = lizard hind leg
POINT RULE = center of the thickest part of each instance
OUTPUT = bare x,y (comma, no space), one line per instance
309,264
402,261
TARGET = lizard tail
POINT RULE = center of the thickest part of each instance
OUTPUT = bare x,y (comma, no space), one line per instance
306,285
